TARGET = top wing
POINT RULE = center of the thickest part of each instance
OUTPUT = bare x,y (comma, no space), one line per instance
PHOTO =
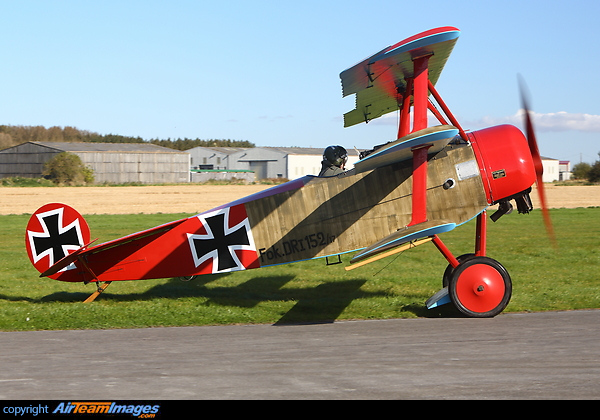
380,80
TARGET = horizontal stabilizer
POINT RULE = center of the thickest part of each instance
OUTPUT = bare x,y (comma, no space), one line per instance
397,151
402,236
66,261
85,250
135,236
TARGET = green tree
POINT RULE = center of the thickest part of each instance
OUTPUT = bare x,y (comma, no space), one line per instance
594,173
67,169
581,170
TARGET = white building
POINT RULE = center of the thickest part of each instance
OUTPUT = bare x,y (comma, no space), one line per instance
564,170
551,169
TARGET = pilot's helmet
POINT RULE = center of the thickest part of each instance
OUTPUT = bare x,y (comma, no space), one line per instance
336,155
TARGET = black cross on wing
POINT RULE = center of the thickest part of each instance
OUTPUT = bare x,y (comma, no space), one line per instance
220,242
56,239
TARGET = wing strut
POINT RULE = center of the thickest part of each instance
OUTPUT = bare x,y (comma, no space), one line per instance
418,88
447,111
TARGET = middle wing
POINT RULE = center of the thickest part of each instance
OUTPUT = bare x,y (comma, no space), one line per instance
397,151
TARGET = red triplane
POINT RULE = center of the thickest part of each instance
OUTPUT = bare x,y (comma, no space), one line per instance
398,195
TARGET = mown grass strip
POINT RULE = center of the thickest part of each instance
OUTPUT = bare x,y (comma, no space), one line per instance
398,286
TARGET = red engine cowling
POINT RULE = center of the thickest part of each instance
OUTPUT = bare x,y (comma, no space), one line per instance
505,161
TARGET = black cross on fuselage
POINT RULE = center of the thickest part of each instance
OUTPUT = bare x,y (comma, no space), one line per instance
55,239
221,242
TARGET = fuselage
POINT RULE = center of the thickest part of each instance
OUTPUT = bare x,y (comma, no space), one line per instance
313,217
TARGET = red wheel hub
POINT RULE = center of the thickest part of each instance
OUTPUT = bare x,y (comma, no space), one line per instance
480,288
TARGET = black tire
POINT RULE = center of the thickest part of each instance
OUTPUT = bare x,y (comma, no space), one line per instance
449,270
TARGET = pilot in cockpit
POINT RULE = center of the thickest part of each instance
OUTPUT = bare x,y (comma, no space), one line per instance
334,161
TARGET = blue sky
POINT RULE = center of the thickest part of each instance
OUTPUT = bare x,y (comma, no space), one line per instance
268,71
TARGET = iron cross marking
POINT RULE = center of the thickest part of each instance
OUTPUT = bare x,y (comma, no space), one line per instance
223,243
56,239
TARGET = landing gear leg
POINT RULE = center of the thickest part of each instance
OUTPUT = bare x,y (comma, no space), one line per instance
476,285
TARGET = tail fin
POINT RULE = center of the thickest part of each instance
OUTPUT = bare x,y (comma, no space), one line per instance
53,232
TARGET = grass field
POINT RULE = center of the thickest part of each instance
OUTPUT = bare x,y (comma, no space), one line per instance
543,279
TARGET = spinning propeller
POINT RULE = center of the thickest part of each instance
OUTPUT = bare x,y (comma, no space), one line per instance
537,160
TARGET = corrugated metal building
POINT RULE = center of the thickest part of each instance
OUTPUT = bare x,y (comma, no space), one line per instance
214,157
111,162
265,162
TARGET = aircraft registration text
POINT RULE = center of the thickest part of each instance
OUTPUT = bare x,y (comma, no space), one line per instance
282,249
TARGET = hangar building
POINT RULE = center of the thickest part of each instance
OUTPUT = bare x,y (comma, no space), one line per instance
111,162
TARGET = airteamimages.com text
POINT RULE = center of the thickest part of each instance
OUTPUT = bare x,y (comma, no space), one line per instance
89,407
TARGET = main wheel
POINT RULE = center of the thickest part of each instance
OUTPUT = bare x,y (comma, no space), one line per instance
449,270
480,287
